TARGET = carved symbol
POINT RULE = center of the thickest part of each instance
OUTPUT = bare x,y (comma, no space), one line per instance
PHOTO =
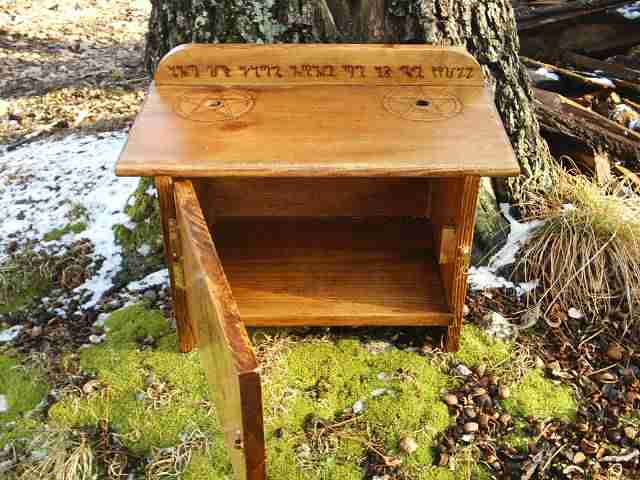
421,104
214,106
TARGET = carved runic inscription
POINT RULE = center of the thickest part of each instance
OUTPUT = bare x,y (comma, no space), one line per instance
214,106
327,72
421,104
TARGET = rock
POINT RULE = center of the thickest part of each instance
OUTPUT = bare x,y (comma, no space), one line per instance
615,352
408,445
498,326
579,458
304,451
35,332
462,370
539,363
150,295
575,313
450,399
471,427
358,407
504,392
96,339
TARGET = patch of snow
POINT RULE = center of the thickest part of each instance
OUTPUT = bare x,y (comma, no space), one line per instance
630,12
546,74
4,404
358,407
151,191
155,279
41,181
378,392
603,81
102,318
144,250
485,277
10,334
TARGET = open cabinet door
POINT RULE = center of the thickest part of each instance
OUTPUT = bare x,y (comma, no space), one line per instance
225,349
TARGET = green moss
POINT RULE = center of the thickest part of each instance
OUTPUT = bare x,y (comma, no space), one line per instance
541,398
311,376
144,211
58,233
325,379
24,388
477,347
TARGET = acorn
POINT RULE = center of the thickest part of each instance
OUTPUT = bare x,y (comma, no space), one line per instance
505,419
579,458
451,400
615,351
504,392
408,445
471,427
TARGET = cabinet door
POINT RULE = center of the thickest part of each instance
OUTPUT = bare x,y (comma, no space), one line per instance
225,349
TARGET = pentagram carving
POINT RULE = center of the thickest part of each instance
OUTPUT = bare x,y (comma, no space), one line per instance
422,104
214,106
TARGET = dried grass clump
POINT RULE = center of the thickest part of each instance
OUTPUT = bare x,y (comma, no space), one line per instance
587,254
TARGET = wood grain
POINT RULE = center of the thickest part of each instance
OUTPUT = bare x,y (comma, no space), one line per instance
456,200
309,127
186,330
311,131
225,349
329,272
242,64
317,197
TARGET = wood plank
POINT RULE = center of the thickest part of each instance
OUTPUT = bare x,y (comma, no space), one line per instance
225,349
562,115
387,111
455,204
287,64
318,197
289,273
316,131
186,330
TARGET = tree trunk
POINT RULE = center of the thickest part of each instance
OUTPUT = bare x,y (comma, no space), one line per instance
487,29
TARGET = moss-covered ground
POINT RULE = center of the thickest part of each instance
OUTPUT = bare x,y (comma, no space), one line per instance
23,389
156,401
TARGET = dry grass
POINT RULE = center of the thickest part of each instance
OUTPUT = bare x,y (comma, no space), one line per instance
587,254
67,459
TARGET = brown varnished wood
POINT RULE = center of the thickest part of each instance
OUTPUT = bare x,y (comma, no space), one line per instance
455,204
332,271
403,126
317,197
287,64
186,330
225,349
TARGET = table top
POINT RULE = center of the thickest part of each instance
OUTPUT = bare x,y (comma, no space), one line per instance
318,110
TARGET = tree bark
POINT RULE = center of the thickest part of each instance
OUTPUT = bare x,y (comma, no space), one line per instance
487,29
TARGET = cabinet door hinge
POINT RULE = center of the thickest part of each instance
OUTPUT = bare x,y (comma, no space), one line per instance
176,256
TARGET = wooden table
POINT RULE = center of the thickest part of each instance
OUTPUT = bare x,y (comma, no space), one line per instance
312,185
